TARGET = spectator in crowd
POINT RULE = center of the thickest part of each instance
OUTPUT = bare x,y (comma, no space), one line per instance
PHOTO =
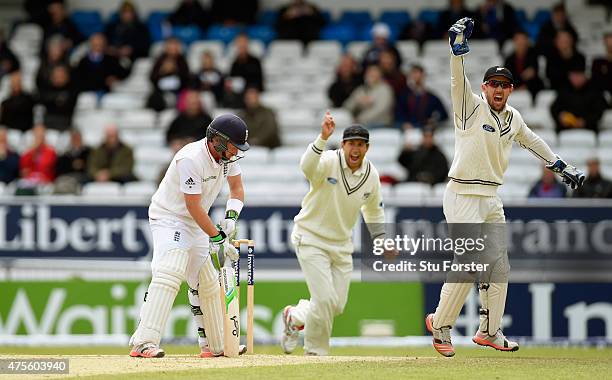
496,19
8,61
456,10
595,185
112,161
128,38
190,12
348,78
210,78
16,111
37,11
372,103
169,76
392,74
246,66
58,22
380,42
523,63
548,186
191,123
55,55
299,20
37,164
579,106
59,99
231,12
9,159
601,70
563,58
426,163
417,107
73,163
98,71
263,128
549,30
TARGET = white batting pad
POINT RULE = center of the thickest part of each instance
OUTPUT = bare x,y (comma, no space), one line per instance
452,298
168,274
493,301
210,304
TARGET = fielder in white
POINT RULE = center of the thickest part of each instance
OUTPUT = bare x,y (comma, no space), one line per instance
485,128
342,183
183,235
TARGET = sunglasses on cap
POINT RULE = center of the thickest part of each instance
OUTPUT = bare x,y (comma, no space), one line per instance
496,83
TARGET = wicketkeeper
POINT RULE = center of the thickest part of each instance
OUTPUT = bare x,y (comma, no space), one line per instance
485,128
184,235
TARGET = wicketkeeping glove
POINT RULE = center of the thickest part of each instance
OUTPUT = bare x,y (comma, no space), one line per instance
569,174
458,35
221,248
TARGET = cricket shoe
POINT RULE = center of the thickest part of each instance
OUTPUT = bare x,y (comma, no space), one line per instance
497,341
441,337
207,353
291,333
147,350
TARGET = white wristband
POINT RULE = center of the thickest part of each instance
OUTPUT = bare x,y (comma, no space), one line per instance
234,204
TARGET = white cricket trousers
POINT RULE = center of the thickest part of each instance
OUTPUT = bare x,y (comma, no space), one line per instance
327,269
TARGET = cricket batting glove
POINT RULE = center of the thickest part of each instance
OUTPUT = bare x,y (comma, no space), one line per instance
221,248
573,177
230,224
458,35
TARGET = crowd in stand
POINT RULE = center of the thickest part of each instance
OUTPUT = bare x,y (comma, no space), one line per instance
376,90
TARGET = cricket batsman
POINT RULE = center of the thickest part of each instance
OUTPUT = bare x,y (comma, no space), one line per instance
485,127
342,183
185,237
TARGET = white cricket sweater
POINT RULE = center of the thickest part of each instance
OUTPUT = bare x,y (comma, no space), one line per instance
483,138
331,208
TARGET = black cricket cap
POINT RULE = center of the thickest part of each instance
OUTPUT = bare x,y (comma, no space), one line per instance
498,71
356,132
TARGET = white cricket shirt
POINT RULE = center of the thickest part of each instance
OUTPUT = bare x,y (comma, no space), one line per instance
193,170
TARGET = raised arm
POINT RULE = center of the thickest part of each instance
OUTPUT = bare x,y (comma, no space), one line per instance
311,160
463,99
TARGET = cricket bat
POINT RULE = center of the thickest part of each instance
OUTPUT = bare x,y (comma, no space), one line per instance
231,322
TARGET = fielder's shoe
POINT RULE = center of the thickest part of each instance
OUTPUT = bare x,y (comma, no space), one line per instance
497,341
291,333
441,337
206,353
147,350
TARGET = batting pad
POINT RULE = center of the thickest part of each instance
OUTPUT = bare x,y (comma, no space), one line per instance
198,318
165,284
452,298
210,304
493,302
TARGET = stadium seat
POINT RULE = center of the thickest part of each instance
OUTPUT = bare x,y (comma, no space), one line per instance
342,33
315,101
409,50
541,17
576,156
101,189
149,137
137,119
263,33
139,189
539,117
548,135
286,50
152,155
277,99
520,99
429,16
605,138
87,101
187,33
297,138
357,49
578,138
122,101
156,24
194,56
411,191
386,137
325,50
15,138
381,154
226,34
545,98
438,191
525,174
606,120
605,155
510,192
397,18
256,48
88,22
287,155
355,18
255,156
267,17
297,119
166,117
273,175
145,171
436,48
156,49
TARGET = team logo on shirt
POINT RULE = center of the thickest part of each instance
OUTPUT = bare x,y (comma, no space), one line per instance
190,182
332,180
177,235
488,128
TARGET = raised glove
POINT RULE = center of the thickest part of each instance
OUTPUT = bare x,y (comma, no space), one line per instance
229,224
458,35
569,174
221,248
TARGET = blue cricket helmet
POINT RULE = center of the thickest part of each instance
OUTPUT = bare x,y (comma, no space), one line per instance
230,128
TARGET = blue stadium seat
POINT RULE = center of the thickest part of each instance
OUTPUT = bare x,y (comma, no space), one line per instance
88,22
429,16
355,18
521,16
154,23
267,17
533,29
187,34
264,33
223,33
342,33
541,16
327,16
399,19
